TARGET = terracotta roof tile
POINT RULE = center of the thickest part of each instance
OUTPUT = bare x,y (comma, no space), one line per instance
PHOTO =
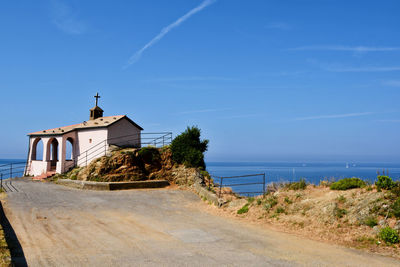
97,123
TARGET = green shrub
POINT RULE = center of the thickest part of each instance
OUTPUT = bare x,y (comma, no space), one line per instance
389,235
288,201
280,210
300,185
395,207
341,199
205,174
250,199
396,189
149,154
348,183
271,202
370,221
339,213
188,149
243,209
384,182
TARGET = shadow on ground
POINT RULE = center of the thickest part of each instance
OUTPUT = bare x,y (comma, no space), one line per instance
17,254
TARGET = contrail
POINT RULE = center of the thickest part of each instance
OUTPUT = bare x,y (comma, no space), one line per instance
335,116
167,29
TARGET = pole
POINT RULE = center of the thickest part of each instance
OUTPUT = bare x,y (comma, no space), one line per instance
10,170
264,183
1,176
220,187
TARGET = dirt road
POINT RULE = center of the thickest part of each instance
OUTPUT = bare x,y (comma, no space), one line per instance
60,226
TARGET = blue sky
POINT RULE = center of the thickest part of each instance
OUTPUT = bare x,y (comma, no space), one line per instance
300,80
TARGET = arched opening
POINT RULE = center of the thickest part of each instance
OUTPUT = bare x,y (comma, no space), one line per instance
52,153
37,149
69,149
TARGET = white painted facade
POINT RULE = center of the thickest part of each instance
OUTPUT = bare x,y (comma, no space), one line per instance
124,133
89,140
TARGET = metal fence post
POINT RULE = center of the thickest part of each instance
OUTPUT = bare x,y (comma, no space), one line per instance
1,176
11,170
220,187
264,184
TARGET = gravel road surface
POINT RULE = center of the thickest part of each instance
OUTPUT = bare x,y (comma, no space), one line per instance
61,226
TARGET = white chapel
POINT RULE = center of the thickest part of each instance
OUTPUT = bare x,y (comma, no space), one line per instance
88,140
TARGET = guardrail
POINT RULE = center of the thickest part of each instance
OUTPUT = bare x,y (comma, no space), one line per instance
246,182
11,170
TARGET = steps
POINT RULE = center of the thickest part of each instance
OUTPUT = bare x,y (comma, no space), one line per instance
44,176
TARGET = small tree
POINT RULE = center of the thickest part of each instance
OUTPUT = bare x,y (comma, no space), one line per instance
187,148
384,182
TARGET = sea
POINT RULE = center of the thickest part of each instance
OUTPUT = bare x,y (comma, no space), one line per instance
312,172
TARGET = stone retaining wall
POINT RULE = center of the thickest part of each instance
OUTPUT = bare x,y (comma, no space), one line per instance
113,185
204,193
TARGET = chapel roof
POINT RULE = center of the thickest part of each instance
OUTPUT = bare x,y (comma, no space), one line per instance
101,122
96,108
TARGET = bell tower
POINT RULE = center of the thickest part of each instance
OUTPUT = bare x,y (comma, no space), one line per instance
96,111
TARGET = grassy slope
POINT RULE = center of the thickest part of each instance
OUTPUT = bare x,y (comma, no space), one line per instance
322,214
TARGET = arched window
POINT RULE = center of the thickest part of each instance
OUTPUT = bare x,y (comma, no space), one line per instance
37,149
69,149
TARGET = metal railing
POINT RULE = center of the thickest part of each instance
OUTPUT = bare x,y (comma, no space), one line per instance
102,148
11,170
14,169
156,139
241,181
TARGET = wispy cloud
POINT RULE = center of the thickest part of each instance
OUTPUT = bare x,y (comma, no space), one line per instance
204,110
167,29
396,121
279,26
333,68
65,18
241,116
357,49
394,83
191,78
335,116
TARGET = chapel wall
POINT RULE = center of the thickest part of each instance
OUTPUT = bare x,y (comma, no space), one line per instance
124,133
87,139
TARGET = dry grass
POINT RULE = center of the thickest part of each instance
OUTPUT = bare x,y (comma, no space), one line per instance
5,258
322,214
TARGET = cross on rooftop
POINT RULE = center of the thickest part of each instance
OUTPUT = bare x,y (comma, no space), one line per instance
97,98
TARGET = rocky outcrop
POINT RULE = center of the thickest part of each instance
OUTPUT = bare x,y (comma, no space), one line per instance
136,165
